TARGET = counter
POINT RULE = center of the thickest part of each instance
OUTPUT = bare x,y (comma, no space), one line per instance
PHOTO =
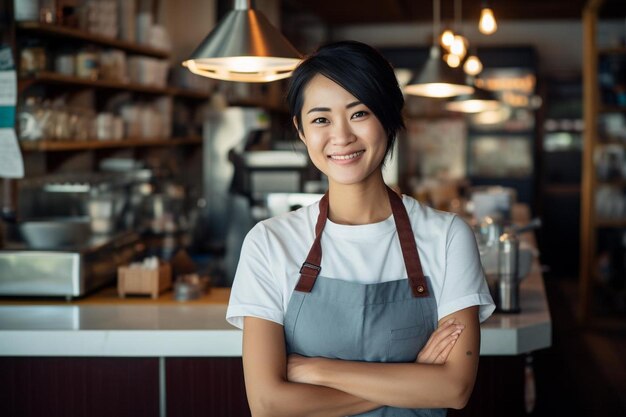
162,357
105,325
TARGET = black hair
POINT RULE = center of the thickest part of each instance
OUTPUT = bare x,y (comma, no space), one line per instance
363,72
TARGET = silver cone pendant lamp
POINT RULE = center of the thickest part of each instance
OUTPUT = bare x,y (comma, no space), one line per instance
437,79
480,100
244,46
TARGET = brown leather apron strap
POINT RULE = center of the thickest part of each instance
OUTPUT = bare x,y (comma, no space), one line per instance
311,267
412,262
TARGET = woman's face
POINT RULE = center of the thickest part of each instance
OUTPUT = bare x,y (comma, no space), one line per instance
344,138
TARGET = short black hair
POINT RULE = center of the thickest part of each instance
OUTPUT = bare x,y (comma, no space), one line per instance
363,72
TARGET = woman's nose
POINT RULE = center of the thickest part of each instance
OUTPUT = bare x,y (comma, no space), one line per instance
342,133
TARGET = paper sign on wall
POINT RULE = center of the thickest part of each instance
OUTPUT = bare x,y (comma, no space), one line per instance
11,163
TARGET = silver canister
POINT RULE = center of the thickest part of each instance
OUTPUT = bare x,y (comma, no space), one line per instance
507,287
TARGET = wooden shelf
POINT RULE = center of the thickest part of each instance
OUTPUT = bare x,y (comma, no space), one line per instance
186,93
612,51
282,108
561,189
612,183
605,108
77,34
605,142
611,223
60,146
54,78
60,79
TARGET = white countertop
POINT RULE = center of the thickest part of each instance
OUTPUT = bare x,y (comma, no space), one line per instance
142,328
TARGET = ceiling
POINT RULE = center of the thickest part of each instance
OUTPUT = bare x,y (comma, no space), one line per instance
345,12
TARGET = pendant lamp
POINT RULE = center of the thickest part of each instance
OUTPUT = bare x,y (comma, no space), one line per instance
487,23
478,101
437,79
245,47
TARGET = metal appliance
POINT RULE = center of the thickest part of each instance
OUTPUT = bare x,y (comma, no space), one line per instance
68,272
241,168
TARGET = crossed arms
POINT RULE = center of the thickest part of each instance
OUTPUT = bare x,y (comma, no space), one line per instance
442,377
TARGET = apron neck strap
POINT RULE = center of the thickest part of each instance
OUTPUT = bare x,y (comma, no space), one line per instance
311,267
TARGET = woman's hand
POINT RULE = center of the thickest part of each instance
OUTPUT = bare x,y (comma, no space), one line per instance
440,343
302,369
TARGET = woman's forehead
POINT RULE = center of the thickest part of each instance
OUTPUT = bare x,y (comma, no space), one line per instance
322,91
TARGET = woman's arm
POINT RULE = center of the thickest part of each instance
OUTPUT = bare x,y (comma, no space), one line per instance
404,385
268,390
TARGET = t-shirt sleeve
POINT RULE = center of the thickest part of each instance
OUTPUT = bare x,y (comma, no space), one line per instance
254,291
464,283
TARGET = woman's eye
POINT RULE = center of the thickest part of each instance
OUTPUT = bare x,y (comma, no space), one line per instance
319,120
361,113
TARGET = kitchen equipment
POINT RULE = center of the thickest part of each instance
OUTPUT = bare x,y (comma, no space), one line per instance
227,131
493,201
69,272
55,233
507,285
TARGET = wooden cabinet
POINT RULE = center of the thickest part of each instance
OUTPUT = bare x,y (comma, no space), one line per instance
603,229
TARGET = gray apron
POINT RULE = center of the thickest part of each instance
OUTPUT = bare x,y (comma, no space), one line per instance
385,322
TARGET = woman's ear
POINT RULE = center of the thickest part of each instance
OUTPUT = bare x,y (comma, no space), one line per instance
300,133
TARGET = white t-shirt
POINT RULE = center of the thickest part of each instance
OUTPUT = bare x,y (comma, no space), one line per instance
274,250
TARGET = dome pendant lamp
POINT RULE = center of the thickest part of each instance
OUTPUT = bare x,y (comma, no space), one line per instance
480,100
244,47
437,79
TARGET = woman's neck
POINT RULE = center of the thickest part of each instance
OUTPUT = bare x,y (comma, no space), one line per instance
362,203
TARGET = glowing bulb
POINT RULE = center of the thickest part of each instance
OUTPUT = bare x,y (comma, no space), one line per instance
458,47
472,65
447,37
452,60
487,24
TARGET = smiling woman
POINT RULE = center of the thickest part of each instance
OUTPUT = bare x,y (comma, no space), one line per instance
386,323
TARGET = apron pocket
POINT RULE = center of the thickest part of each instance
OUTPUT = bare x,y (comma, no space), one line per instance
405,343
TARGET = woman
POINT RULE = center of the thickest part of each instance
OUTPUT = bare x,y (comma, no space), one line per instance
386,322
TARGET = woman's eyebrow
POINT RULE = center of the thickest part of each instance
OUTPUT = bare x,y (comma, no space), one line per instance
318,109
348,106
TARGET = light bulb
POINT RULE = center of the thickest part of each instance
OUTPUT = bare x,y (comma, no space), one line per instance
452,60
472,65
458,47
487,24
446,39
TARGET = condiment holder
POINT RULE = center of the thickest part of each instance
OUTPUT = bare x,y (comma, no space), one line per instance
150,277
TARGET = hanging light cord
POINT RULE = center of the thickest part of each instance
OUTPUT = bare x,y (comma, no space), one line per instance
436,20
458,20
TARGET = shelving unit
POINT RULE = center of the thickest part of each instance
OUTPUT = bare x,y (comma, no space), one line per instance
61,146
49,30
591,224
48,78
54,78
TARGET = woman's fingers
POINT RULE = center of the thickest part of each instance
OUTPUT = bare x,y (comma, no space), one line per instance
427,354
443,356
437,347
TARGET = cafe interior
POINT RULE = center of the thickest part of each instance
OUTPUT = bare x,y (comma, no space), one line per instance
141,140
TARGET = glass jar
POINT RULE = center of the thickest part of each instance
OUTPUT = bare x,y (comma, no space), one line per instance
87,64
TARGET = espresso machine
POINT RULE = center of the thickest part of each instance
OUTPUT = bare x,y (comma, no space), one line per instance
241,167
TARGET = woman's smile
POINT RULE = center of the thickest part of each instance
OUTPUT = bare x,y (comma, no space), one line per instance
346,158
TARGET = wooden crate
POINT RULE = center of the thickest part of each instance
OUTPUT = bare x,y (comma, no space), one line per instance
139,280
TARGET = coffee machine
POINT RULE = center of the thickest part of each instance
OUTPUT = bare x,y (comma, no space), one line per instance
241,167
